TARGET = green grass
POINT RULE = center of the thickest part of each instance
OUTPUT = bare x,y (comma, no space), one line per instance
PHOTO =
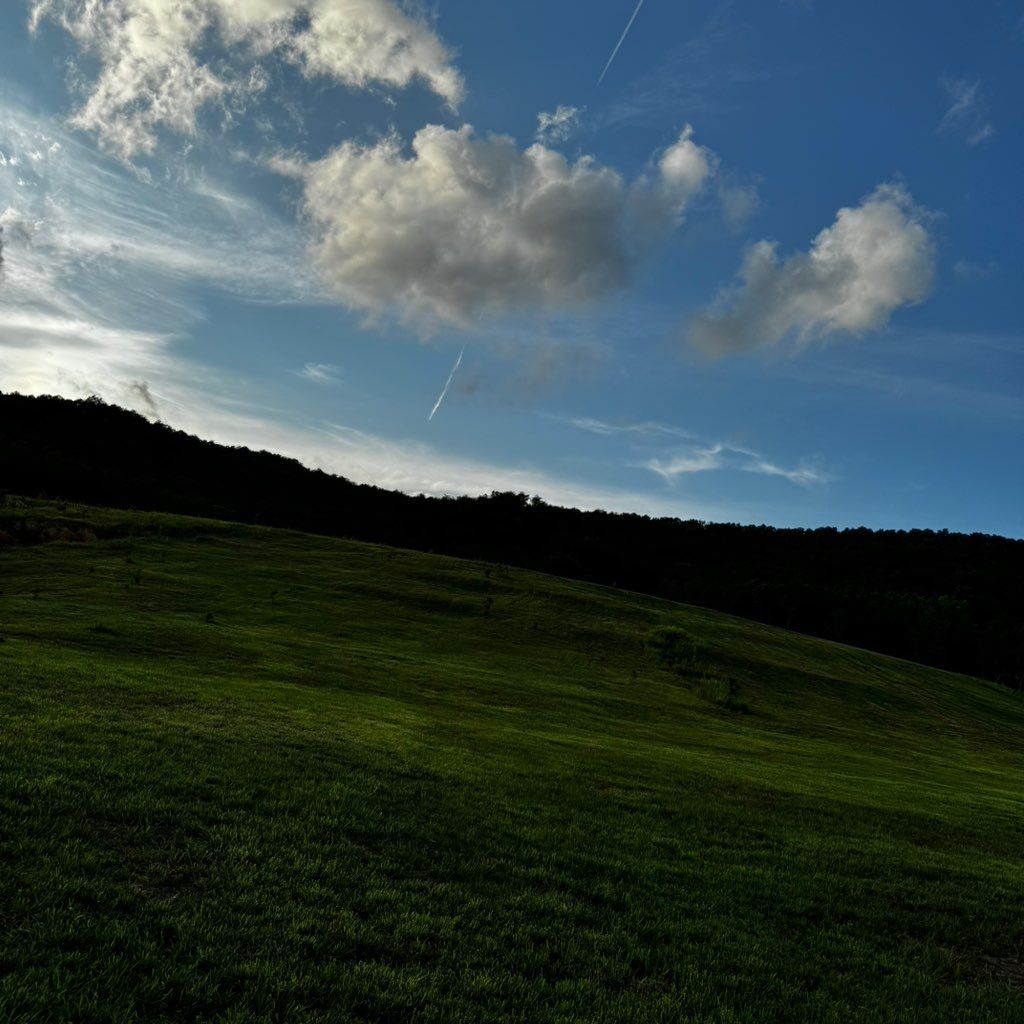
250,775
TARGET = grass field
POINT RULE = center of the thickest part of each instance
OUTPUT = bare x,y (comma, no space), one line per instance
249,775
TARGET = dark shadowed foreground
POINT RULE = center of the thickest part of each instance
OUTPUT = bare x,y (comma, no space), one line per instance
256,776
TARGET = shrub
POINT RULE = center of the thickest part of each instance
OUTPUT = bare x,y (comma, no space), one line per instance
676,649
723,693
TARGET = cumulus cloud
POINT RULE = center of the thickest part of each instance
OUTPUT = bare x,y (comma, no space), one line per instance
463,225
967,116
558,125
874,259
162,61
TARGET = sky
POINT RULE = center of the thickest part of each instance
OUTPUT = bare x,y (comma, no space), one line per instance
754,261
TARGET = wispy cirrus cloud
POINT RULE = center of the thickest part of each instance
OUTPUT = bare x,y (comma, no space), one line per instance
967,116
100,268
966,376
162,61
739,201
320,373
730,458
696,455
974,270
90,241
645,428
700,75
414,467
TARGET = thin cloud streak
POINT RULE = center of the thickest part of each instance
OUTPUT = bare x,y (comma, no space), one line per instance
730,457
618,46
647,428
444,392
319,373
699,457
967,116
701,75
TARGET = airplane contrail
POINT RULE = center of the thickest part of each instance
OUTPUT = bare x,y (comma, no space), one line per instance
618,46
444,393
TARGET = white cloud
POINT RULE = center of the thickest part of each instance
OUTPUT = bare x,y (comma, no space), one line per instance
969,270
739,203
94,297
137,370
320,373
874,259
46,353
698,456
86,238
697,460
466,226
704,459
558,125
416,468
98,268
162,61
361,42
967,116
646,428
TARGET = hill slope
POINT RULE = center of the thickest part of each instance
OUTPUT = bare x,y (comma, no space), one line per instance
251,775
947,600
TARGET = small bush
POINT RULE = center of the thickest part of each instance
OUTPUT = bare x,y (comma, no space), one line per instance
676,649
683,654
723,693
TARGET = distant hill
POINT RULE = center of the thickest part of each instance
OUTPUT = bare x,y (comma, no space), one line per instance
948,600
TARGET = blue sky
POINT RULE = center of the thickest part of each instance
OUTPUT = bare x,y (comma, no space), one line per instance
768,270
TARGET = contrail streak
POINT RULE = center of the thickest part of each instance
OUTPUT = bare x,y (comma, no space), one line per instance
618,46
444,393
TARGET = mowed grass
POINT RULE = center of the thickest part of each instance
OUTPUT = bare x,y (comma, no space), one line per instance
250,775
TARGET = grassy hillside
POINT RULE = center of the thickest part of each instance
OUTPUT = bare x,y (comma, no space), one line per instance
258,776
947,600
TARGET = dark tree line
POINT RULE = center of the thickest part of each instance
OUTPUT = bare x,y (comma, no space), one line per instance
944,599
